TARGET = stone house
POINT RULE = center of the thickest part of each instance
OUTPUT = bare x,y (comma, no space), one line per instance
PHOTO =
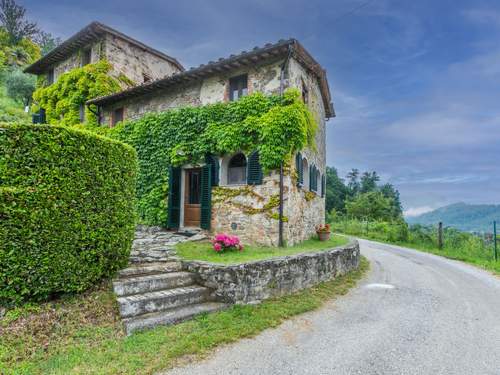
133,62
230,193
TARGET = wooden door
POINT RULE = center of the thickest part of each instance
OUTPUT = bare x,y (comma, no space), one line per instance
192,197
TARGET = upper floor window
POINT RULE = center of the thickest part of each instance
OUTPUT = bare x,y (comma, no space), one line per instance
238,87
86,56
146,77
50,77
305,93
237,170
117,116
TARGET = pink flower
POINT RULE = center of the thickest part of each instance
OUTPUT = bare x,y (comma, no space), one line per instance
217,247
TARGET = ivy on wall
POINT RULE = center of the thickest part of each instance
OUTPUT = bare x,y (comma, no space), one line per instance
64,99
275,126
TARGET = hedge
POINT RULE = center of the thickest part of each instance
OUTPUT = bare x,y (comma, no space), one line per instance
67,210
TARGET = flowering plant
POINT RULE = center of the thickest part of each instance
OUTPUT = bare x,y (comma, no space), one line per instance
323,228
225,242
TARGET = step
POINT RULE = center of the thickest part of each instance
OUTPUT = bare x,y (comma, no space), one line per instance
151,283
145,259
171,316
150,268
160,300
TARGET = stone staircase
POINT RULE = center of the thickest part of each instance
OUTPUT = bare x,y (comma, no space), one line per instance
154,290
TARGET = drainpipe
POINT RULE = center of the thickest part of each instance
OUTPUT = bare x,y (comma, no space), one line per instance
280,209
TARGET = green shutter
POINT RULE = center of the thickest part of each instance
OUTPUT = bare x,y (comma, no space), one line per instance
214,166
206,197
299,167
174,197
323,186
254,169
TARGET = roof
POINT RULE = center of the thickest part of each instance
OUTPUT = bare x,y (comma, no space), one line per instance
87,35
280,49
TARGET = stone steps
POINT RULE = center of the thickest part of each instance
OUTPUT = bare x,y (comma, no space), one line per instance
160,300
150,268
154,290
171,316
150,283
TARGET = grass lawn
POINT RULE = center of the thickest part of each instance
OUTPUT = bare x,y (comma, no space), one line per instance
203,250
82,334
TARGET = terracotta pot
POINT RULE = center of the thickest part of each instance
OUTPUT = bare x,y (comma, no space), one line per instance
323,236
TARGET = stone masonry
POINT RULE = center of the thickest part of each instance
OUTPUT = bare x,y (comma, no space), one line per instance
256,281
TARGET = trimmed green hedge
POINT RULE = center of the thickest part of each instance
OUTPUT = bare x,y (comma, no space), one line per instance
67,210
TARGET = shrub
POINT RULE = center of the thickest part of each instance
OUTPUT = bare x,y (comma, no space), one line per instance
66,208
224,242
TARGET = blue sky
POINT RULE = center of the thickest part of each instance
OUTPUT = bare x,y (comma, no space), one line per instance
415,84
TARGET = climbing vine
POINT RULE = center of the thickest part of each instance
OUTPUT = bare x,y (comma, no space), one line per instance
64,99
275,126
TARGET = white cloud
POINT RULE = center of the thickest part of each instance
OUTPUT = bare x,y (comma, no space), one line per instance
417,211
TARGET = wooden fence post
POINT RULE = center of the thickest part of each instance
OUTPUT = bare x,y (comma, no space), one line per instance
440,235
495,240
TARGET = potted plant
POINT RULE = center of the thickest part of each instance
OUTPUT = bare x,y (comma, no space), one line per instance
323,231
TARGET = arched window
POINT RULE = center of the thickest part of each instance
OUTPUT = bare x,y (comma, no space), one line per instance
237,170
305,172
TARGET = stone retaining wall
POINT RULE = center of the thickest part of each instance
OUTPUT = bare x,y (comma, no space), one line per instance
255,281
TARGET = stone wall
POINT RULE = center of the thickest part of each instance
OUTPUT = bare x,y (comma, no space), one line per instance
256,281
251,214
127,59
262,77
134,62
74,61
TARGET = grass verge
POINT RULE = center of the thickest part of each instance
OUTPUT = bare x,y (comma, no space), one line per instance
460,254
203,250
82,335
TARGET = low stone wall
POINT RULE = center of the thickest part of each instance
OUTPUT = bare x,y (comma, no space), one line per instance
255,281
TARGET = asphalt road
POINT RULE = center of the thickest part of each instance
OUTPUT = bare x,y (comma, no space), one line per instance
414,313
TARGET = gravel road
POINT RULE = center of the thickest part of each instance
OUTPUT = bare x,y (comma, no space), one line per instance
414,313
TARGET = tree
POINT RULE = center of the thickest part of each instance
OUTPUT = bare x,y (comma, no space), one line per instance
47,42
389,191
20,86
336,191
353,182
370,206
369,182
12,17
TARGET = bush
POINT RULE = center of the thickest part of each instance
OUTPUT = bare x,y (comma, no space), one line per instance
66,208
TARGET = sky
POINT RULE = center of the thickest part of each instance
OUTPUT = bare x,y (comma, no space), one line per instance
415,84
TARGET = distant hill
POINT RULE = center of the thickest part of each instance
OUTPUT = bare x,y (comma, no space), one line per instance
466,217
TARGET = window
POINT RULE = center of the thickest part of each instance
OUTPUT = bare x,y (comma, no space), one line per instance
194,187
86,56
305,174
146,77
50,76
238,87
117,116
305,93
237,170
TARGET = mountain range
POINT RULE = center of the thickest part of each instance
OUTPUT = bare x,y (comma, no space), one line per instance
463,216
